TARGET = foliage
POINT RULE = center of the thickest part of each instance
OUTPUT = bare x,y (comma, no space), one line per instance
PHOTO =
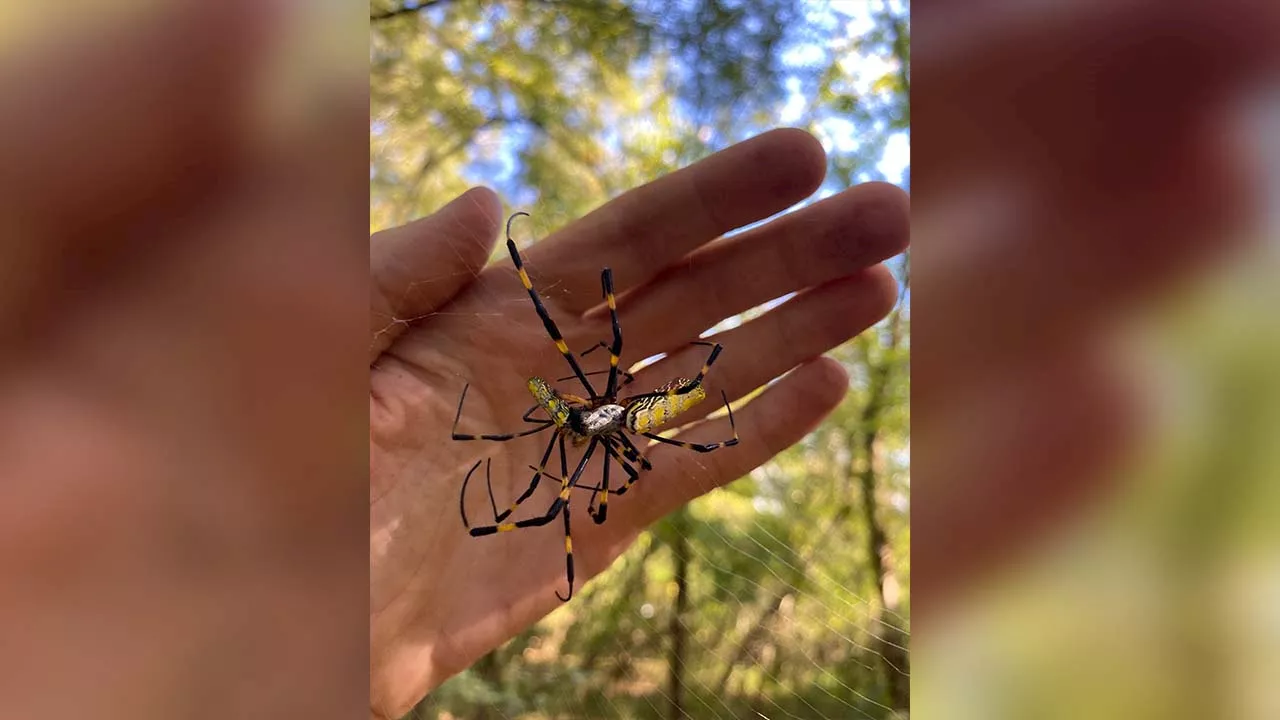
562,105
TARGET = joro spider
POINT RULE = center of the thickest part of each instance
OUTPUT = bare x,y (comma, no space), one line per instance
597,421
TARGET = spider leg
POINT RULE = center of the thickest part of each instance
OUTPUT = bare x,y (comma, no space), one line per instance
627,378
632,474
537,477
593,348
603,491
702,447
525,417
568,556
541,309
602,494
606,285
706,366
567,488
496,438
595,488
462,496
632,453
559,506
488,481
561,501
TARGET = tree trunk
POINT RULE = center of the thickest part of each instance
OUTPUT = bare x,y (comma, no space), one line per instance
891,640
676,627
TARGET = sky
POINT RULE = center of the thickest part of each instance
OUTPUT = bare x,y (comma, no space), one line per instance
496,163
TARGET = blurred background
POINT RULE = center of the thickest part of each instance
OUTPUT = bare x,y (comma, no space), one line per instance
182,263
1096,379
787,593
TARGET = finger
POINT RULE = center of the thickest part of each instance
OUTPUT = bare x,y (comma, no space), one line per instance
100,128
834,238
796,331
775,420
650,227
418,267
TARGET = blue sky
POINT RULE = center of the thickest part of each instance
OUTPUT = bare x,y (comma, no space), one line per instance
495,163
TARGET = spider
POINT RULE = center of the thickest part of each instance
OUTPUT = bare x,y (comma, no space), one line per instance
598,421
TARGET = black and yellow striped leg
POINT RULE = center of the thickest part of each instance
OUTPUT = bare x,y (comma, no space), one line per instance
601,494
542,424
632,453
603,491
568,486
632,474
702,447
615,350
706,366
560,505
537,477
556,507
541,309
568,557
488,481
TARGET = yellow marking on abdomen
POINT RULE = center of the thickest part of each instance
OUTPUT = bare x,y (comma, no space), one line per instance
653,412
549,400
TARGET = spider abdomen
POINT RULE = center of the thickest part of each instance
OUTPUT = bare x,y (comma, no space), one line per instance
549,400
650,412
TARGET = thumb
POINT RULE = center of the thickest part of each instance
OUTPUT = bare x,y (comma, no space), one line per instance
418,267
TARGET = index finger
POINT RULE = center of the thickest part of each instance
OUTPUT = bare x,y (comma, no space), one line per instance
646,229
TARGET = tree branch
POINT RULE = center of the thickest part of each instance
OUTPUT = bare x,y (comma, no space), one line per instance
405,10
406,208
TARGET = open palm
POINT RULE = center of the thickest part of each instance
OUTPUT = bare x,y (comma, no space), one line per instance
440,598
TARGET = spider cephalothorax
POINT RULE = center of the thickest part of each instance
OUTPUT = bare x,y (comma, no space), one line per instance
597,421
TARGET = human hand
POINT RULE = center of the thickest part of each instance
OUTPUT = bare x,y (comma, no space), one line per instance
440,598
